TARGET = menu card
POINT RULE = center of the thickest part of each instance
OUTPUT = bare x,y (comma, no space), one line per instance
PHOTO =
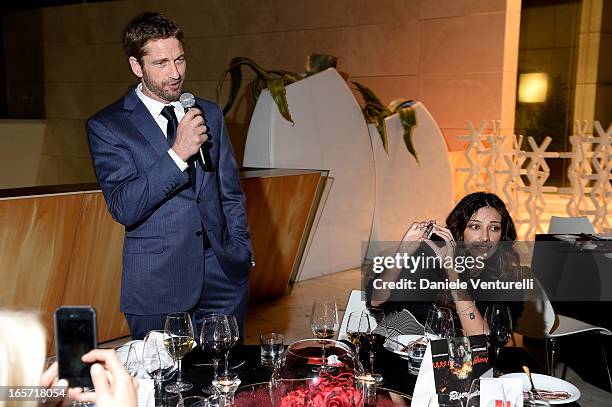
456,362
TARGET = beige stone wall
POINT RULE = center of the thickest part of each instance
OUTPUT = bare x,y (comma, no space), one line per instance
456,56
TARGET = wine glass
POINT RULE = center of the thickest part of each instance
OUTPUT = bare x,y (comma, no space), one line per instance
179,343
132,363
157,360
324,319
374,336
357,324
486,392
499,320
439,324
229,336
209,341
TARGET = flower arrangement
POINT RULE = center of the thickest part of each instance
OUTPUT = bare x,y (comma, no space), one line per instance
328,390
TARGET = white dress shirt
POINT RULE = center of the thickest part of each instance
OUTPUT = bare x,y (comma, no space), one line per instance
155,108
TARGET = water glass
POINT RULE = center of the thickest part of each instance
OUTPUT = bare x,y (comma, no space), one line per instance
271,346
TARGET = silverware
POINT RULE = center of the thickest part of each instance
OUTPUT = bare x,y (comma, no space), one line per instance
533,389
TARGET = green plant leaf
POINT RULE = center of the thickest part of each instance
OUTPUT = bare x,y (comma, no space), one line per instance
276,86
408,120
319,62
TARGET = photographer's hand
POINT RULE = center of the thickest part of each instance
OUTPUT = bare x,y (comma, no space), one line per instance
113,384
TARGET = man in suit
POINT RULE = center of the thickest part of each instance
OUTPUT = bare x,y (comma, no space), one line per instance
187,244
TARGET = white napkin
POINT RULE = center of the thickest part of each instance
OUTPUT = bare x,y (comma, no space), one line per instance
425,384
146,395
166,358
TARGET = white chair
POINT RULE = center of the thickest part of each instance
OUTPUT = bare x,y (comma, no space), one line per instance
559,225
539,321
356,302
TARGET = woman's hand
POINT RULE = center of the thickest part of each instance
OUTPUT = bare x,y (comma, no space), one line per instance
416,232
50,378
448,250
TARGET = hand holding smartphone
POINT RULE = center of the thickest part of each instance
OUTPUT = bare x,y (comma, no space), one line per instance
75,335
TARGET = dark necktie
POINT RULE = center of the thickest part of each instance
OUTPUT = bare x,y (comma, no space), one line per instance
168,113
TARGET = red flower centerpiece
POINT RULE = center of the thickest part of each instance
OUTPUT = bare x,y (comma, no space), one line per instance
317,373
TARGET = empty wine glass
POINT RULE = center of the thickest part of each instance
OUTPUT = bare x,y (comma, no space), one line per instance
439,324
157,361
374,336
486,392
179,343
499,320
132,363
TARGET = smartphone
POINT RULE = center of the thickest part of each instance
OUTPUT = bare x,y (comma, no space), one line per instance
75,335
431,235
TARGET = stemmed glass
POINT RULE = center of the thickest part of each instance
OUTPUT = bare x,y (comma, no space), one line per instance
324,322
499,320
324,319
208,341
229,337
357,324
179,343
157,360
486,392
373,336
132,363
439,324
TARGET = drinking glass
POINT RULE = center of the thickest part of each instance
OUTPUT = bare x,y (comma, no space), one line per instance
179,343
324,322
357,324
209,341
486,393
439,324
229,335
499,320
324,319
157,361
374,336
132,363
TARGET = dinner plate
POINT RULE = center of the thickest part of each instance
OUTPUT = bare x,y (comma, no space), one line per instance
395,347
549,383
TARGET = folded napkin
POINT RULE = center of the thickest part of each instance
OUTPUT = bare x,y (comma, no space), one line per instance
145,355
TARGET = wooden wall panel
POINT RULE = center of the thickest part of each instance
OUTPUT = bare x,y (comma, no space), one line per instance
65,249
95,267
278,210
36,241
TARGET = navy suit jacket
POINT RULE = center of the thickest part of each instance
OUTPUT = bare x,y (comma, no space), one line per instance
163,254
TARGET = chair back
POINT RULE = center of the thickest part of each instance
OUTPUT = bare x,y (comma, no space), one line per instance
571,225
538,318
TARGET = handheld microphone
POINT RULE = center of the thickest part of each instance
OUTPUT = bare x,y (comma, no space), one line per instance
187,100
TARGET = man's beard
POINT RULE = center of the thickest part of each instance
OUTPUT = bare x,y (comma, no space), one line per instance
160,91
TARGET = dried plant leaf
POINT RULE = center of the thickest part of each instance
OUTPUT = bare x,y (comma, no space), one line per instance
408,120
319,62
276,86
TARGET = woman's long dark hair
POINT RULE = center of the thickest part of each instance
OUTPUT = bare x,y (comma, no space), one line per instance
505,262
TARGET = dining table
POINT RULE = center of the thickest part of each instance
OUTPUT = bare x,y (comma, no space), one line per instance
396,389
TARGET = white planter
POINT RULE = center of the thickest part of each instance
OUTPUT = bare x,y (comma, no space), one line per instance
329,133
407,191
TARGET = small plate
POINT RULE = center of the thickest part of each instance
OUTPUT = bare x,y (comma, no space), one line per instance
549,383
395,347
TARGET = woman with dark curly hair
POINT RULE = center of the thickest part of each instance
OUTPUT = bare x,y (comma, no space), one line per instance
474,228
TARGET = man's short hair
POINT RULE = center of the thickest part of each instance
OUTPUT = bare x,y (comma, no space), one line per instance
145,27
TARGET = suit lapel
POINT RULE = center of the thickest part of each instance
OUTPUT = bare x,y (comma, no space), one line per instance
143,121
202,176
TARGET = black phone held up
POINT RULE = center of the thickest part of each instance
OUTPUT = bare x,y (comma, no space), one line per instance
75,335
431,235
